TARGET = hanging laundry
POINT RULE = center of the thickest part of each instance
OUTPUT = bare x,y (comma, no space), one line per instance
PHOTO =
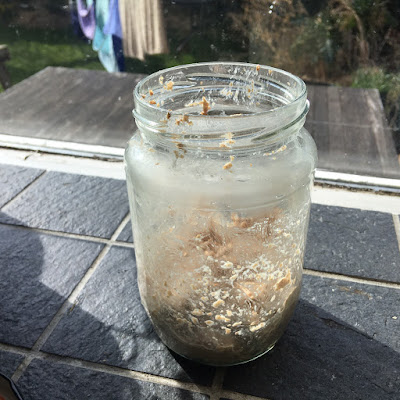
86,17
113,27
143,28
76,27
102,42
119,52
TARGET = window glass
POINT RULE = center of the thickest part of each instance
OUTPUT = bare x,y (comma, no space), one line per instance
347,51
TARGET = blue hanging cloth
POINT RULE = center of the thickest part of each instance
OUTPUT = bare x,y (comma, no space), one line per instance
102,42
113,27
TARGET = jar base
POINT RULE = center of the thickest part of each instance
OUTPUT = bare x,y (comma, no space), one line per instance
224,364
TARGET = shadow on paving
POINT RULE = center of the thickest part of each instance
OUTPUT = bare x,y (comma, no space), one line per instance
30,302
37,274
111,297
320,357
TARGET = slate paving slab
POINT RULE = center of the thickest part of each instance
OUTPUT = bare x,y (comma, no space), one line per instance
353,242
9,362
109,325
71,203
126,234
13,179
37,273
45,380
342,343
373,310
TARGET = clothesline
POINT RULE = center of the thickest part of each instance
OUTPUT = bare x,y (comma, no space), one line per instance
122,28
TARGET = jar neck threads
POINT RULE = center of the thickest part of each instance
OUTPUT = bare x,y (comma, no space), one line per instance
203,105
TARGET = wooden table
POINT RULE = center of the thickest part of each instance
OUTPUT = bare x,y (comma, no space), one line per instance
94,108
351,132
72,105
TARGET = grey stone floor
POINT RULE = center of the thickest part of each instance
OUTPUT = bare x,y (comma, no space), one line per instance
72,326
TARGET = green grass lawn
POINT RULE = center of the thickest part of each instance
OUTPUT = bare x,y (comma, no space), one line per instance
32,50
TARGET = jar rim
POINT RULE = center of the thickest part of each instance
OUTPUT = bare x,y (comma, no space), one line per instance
249,101
301,90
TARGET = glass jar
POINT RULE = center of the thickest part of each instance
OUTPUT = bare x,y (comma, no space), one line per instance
219,175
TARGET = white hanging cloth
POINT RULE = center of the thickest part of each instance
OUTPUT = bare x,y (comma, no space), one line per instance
143,28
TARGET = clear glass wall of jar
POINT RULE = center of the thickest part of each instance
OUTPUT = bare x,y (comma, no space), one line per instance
219,175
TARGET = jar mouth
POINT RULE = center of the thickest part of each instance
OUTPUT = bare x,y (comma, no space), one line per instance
213,98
